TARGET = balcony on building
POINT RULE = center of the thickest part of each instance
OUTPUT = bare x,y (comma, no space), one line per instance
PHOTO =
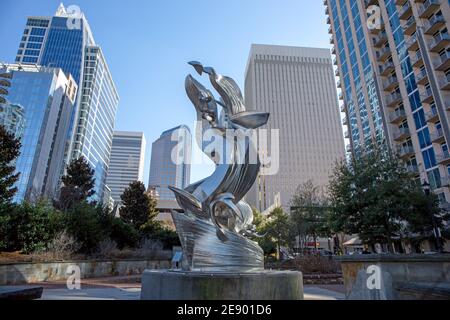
336,72
434,24
439,42
345,121
443,158
416,59
387,68
339,84
427,95
444,82
432,116
413,168
422,77
335,62
443,62
328,18
331,40
347,135
348,148
428,7
380,39
343,108
369,3
412,44
410,26
341,96
333,50
330,30
402,134
405,151
445,182
327,11
390,83
405,12
397,116
383,54
437,136
393,99
445,206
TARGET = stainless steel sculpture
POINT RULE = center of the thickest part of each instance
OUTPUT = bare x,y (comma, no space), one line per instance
216,221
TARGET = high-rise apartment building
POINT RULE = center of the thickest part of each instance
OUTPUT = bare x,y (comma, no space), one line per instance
65,41
127,162
297,87
171,162
393,59
39,106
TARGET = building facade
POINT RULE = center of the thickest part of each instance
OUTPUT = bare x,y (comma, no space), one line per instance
66,41
39,108
171,162
12,118
393,59
127,162
297,87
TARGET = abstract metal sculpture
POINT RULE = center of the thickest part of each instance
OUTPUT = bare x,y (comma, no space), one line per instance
216,221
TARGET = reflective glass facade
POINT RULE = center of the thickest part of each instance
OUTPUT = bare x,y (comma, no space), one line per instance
164,172
42,94
59,42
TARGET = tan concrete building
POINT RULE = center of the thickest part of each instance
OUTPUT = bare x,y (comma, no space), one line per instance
297,86
393,59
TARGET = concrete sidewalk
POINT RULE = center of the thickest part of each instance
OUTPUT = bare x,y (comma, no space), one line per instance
129,288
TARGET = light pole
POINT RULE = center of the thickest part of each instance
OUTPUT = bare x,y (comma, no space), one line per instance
436,230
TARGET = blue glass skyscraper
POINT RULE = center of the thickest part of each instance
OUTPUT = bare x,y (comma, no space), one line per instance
40,102
66,41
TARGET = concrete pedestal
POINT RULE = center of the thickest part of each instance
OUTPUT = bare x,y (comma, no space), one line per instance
178,285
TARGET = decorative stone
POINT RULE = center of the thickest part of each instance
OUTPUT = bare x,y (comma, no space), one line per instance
264,285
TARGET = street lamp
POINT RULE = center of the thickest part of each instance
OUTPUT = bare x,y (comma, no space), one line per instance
436,230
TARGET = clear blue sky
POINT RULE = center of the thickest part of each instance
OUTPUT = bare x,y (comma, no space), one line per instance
148,42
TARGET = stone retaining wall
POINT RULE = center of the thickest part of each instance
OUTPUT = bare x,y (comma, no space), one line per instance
396,277
23,273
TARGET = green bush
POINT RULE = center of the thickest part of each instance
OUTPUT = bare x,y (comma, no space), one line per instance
123,234
83,222
167,237
29,227
4,228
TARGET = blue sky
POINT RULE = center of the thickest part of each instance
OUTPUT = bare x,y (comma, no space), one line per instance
148,42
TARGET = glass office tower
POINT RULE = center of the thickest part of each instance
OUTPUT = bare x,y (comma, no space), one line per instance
65,41
403,61
46,98
166,171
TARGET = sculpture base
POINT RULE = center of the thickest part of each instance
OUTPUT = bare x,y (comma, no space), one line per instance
179,285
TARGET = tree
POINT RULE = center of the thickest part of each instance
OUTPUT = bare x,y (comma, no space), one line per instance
264,240
9,151
278,228
78,184
84,223
309,210
376,197
31,227
138,207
